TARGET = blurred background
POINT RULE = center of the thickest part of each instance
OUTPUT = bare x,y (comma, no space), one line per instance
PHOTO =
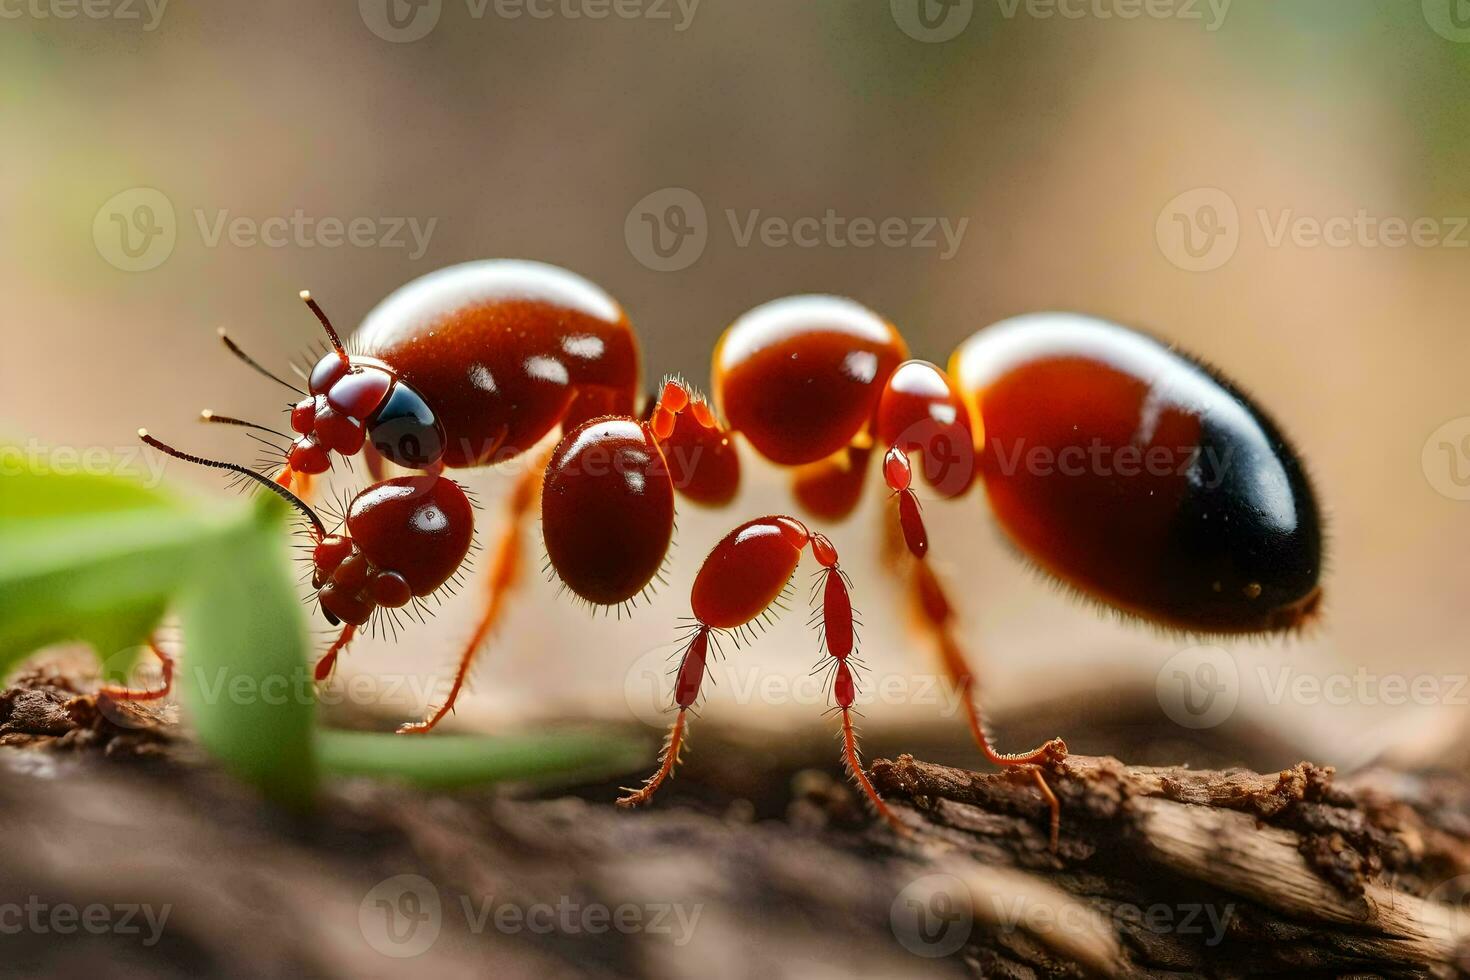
1279,188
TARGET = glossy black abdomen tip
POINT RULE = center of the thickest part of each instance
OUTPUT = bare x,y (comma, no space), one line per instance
1139,476
1245,549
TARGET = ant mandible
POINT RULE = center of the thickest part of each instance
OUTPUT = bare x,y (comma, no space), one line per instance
1182,503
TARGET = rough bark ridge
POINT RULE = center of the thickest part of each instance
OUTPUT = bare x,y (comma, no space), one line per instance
1161,871
1221,873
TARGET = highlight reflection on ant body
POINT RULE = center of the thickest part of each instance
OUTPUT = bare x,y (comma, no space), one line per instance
1087,437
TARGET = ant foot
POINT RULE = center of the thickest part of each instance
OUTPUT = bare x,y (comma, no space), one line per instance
635,797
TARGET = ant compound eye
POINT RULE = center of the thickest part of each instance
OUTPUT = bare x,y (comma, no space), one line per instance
405,430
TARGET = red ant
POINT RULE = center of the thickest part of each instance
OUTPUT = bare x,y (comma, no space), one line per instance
1132,473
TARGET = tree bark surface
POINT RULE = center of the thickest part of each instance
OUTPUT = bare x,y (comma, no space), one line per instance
1161,871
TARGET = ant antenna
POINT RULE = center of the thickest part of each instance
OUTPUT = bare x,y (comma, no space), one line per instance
272,485
208,416
331,331
253,364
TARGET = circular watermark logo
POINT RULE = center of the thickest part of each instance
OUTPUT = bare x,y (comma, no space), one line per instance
932,21
400,21
1456,894
135,229
648,687
401,916
946,453
1199,230
932,916
1446,459
667,230
1199,687
1449,18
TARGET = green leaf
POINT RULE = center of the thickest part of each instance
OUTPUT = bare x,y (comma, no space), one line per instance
90,558
246,682
444,761
99,559
36,493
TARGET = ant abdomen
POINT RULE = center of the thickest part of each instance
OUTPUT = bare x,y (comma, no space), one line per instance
1140,476
607,509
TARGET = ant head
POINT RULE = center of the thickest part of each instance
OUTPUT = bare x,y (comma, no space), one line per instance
354,399
405,538
350,399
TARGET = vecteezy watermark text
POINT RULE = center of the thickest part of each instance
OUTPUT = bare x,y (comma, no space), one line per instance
934,916
833,230
648,687
1200,230
302,230
404,21
1203,465
667,230
937,21
1211,13
402,916
98,919
39,459
1200,687
137,229
124,10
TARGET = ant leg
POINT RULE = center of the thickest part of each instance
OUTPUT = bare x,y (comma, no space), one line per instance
845,691
899,476
329,659
505,572
837,638
702,460
920,410
166,663
686,692
742,577
937,614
